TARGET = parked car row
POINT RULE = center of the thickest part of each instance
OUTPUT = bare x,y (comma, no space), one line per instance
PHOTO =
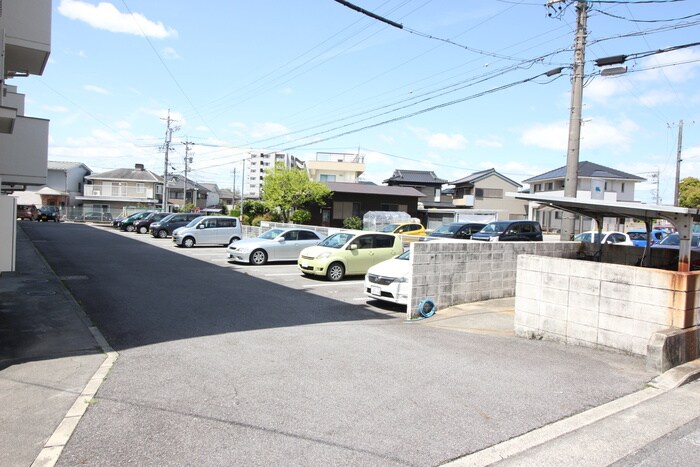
636,237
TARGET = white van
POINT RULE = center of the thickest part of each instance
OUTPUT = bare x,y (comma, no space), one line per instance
208,230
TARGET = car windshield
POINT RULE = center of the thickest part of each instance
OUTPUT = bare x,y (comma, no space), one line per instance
638,235
495,227
586,237
194,222
449,228
390,228
405,255
270,234
337,240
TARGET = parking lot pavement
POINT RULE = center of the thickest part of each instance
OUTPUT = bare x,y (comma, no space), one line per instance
487,317
349,290
582,437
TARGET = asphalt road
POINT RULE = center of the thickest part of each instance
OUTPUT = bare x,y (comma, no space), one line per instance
223,364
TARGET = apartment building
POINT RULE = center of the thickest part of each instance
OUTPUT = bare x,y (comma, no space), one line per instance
257,165
25,29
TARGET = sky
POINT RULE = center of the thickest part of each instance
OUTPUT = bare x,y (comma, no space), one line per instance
449,86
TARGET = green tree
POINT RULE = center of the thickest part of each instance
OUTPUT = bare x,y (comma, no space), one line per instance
689,193
286,190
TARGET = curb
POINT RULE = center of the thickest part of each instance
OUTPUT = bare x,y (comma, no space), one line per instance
671,379
48,456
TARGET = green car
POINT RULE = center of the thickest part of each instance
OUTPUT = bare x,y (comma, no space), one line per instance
348,253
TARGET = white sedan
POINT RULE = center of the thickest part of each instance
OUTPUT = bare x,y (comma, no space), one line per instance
617,238
390,280
273,245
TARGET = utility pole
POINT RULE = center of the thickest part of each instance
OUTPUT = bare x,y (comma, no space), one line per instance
233,190
242,189
188,160
166,147
572,155
676,192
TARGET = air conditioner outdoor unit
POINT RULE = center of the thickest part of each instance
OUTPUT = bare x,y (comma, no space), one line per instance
96,192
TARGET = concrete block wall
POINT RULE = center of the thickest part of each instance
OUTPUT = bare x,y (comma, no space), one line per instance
601,305
455,272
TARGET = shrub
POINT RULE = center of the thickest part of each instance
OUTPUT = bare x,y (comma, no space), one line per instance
353,222
301,216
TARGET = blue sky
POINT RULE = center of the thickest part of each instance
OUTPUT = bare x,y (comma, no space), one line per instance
453,91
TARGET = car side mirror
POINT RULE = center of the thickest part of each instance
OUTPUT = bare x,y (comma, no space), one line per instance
200,226
280,239
353,246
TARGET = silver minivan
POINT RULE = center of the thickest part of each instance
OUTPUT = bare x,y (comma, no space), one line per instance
208,230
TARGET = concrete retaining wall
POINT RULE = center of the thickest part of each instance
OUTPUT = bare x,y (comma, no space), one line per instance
455,272
603,305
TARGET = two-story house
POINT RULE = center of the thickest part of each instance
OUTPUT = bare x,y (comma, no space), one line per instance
594,181
486,191
116,190
183,191
435,206
26,45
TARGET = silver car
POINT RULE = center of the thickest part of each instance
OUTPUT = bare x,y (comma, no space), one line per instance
273,245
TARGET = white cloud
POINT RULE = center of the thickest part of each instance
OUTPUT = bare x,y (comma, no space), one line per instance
170,54
548,136
122,125
95,89
677,72
603,89
440,140
268,129
595,133
656,97
106,16
489,142
55,108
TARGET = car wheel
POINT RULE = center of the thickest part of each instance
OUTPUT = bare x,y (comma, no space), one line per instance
258,257
234,239
336,272
130,228
188,242
162,233
143,229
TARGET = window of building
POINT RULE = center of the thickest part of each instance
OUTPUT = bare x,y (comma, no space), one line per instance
622,187
326,178
140,188
437,195
549,186
482,193
389,207
345,209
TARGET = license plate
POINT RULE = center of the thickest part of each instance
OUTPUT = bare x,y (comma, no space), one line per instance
375,290
304,264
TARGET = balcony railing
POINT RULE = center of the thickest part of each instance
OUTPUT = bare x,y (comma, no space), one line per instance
466,201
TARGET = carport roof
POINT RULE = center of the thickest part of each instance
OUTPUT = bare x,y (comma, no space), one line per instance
681,218
599,208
